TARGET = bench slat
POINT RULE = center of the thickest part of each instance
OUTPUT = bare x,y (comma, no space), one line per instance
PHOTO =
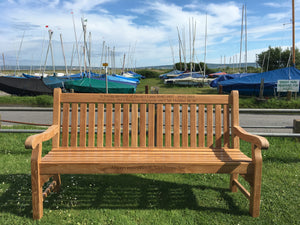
117,130
168,125
65,124
226,125
210,126
74,125
159,126
126,125
151,125
143,121
201,125
100,125
176,112
193,125
91,140
83,113
185,126
108,128
134,125
218,126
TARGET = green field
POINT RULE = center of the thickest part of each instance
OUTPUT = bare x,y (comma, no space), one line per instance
152,198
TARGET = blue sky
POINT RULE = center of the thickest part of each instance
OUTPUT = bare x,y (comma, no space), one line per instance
144,30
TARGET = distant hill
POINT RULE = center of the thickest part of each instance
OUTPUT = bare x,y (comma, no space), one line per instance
62,68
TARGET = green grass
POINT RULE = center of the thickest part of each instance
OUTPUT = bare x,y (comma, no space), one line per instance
152,198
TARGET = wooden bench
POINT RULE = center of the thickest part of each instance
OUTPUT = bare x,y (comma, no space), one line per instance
131,133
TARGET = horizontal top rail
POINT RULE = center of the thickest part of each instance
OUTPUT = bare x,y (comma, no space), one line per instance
241,110
142,98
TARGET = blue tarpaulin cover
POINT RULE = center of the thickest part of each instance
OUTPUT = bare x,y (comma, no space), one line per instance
250,85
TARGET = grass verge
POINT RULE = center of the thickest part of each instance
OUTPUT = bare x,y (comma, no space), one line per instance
152,198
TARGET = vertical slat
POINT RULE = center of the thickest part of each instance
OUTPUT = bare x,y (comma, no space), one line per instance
151,125
82,140
218,126
91,140
193,125
226,126
100,125
143,125
56,115
176,122
65,125
108,123
74,125
134,125
159,126
117,130
201,125
210,126
168,127
234,96
126,125
185,126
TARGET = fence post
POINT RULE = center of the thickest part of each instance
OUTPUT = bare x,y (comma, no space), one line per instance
146,89
0,121
296,126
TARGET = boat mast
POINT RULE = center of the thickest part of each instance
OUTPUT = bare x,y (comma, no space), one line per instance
293,22
18,54
50,36
101,60
241,41
3,61
52,56
246,63
205,46
62,47
79,64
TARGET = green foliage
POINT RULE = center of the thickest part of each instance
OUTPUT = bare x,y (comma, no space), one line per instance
148,73
276,58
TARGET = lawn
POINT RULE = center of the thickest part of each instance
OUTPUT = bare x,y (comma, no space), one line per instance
152,198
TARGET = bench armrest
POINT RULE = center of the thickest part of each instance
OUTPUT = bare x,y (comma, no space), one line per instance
259,141
33,140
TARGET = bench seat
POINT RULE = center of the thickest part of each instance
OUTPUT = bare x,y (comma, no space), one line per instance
139,160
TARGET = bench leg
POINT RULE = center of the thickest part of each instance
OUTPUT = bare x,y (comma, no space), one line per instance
58,182
255,193
37,195
233,187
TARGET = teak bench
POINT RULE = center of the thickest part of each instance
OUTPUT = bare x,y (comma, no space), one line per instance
138,133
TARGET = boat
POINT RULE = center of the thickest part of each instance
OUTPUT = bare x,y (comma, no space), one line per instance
91,85
220,78
23,86
171,74
250,85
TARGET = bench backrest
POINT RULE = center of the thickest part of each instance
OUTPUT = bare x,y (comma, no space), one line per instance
140,120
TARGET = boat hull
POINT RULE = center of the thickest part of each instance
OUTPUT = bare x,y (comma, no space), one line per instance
23,86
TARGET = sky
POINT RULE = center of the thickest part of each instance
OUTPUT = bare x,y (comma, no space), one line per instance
146,31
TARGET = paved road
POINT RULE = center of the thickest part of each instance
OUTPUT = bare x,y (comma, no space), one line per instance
246,119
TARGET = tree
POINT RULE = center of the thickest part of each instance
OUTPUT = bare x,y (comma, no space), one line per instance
276,58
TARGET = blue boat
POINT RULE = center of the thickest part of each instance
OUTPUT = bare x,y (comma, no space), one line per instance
250,85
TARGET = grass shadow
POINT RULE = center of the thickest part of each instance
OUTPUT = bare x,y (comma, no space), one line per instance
131,192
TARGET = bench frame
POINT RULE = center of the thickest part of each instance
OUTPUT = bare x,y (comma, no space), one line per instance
250,169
